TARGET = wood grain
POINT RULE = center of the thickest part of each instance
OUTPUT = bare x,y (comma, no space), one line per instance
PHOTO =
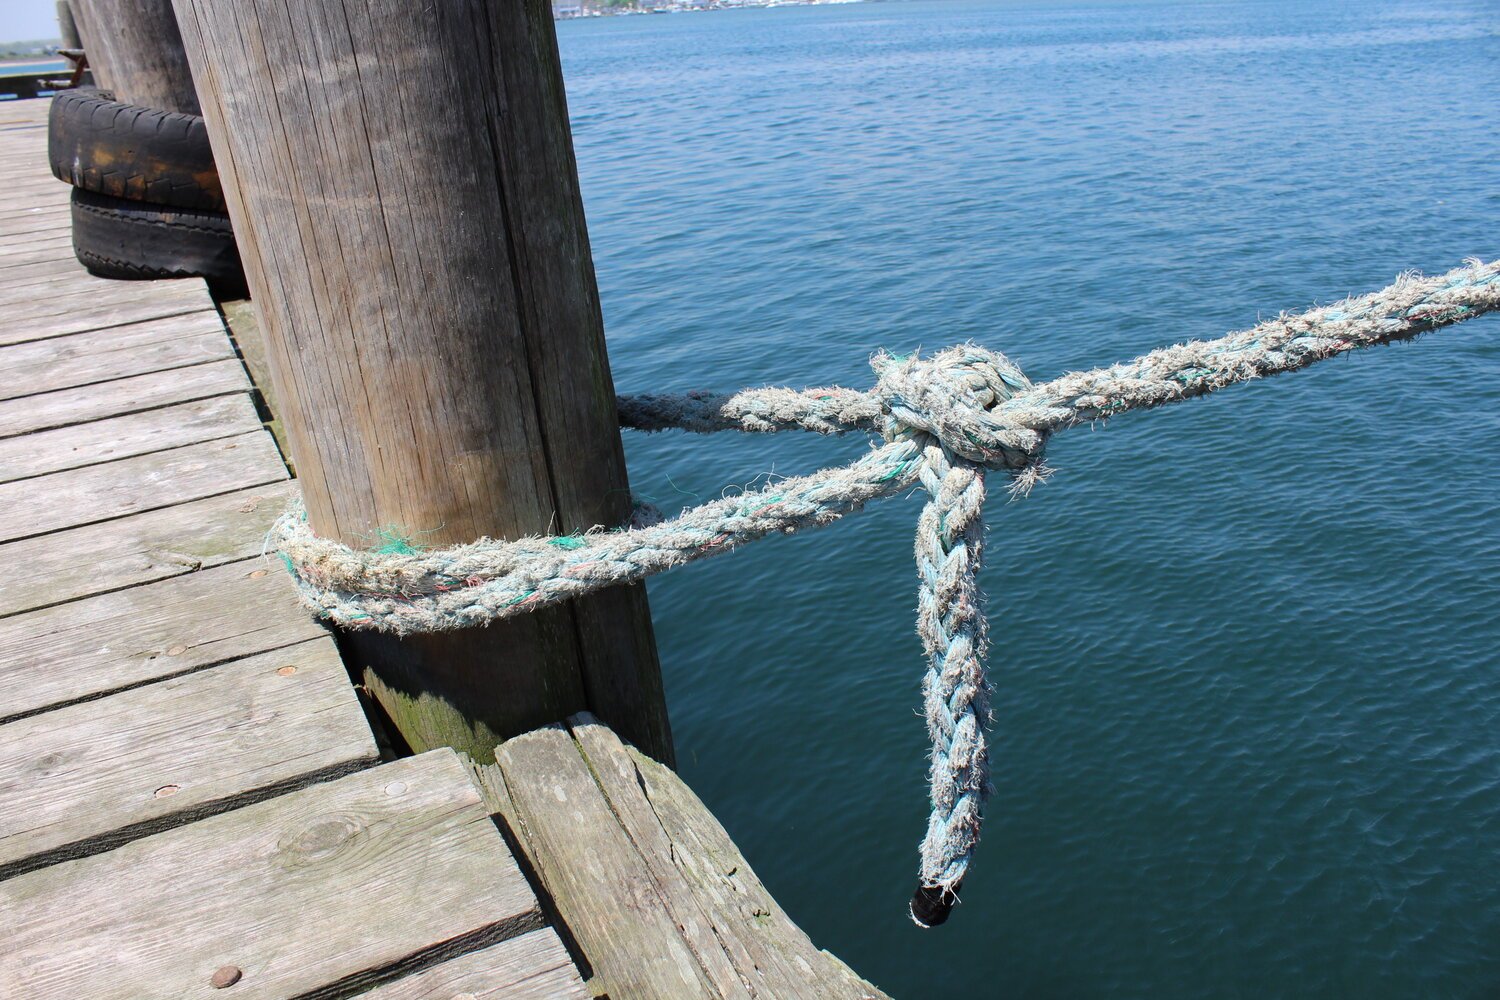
652,850
318,893
118,397
83,780
115,352
533,966
79,302
100,645
439,371
613,907
50,569
124,437
135,50
133,485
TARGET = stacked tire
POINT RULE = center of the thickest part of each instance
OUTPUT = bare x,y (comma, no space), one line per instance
146,196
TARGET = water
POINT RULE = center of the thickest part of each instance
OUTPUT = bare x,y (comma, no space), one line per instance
1247,693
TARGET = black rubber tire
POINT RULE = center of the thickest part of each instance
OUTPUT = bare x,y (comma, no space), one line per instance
119,238
126,151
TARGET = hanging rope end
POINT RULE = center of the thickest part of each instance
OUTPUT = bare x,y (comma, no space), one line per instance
931,904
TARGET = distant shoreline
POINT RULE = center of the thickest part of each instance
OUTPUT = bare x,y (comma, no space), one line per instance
579,11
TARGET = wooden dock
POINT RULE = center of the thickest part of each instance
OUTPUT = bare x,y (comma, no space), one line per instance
193,802
190,792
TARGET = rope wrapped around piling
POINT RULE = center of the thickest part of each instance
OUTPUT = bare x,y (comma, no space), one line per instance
945,420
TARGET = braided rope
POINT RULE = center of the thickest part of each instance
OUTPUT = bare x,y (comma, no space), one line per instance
945,420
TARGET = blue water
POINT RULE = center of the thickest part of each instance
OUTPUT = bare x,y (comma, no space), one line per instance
1247,694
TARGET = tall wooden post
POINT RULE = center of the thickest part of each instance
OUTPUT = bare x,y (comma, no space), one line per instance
402,184
135,49
67,26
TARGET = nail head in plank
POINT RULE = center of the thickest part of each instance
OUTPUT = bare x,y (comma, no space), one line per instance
138,549
84,779
97,646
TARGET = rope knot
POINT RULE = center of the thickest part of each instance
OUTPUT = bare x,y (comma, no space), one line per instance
956,396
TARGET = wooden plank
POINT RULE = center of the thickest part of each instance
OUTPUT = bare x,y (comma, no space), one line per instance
639,840
101,645
594,874
132,485
116,352
113,303
318,893
59,247
66,265
675,831
66,407
125,437
105,557
720,955
83,780
530,967
55,292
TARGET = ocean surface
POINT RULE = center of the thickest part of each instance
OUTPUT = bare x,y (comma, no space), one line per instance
1246,658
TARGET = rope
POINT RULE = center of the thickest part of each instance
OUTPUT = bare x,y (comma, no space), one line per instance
945,420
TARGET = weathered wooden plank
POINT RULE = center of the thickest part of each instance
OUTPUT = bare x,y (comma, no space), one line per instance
132,485
313,894
594,874
684,866
58,247
31,110
83,780
721,956
533,966
114,304
118,352
63,265
105,557
55,292
672,827
37,219
66,407
100,645
125,437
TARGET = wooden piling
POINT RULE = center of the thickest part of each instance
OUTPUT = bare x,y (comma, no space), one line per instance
135,50
67,25
406,201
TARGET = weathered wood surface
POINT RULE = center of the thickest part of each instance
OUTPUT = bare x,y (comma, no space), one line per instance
648,883
138,549
533,966
133,485
100,645
120,397
125,437
135,50
79,301
316,893
461,387
165,705
82,780
111,353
